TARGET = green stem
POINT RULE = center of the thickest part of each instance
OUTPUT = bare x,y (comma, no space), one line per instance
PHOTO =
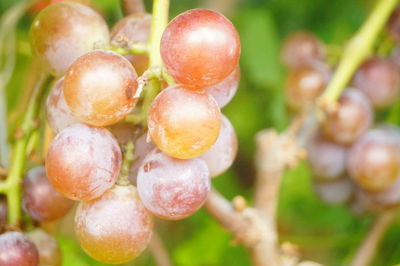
12,185
158,24
136,48
126,164
358,48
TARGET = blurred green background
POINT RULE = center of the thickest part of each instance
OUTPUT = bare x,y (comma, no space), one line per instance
326,234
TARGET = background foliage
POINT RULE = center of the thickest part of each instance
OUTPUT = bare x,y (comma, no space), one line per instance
324,233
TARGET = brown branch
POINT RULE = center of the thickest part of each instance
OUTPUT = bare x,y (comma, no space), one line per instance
159,251
132,6
366,252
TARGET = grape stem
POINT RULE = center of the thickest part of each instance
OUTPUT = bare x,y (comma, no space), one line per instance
129,148
158,23
357,49
12,187
368,248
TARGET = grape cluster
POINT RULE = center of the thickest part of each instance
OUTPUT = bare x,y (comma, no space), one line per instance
354,158
183,141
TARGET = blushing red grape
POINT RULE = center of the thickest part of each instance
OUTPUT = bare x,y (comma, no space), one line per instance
100,88
337,191
379,79
300,48
114,228
374,160
172,188
200,48
224,91
142,148
49,251
64,31
59,115
83,162
184,123
222,154
352,118
40,200
17,250
124,132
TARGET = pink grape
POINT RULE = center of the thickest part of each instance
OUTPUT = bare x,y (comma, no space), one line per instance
17,250
49,251
224,91
142,148
172,188
222,154
338,191
83,162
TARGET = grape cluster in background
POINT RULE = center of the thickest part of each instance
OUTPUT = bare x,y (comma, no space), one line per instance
354,157
124,173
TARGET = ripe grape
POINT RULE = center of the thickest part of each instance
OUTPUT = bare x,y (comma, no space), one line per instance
114,228
374,160
184,123
124,132
49,251
83,162
132,29
337,191
59,115
304,84
17,250
379,79
393,24
172,188
300,48
64,31
387,198
40,199
224,91
222,154
200,48
100,88
142,148
327,159
352,118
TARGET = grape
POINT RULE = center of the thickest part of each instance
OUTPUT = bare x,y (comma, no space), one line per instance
327,159
49,252
352,118
132,29
114,228
17,250
64,31
374,160
59,115
304,84
387,198
337,191
224,91
300,48
172,188
100,88
40,199
184,123
379,79
222,154
83,162
200,48
393,24
142,148
124,132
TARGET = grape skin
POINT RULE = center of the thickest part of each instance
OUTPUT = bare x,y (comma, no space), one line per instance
334,192
374,160
222,154
17,250
379,79
132,29
40,200
354,115
184,123
300,49
49,251
224,91
64,31
142,148
100,88
114,228
200,48
172,188
83,162
59,116
327,159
